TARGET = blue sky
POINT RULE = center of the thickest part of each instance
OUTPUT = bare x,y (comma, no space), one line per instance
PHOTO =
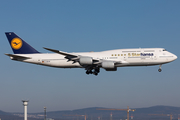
80,26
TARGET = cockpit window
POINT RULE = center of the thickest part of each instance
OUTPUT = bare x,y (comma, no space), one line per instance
164,50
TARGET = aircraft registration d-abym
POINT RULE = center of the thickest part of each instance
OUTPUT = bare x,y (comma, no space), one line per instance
90,61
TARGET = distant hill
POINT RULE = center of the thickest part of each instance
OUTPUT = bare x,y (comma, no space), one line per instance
4,113
93,113
159,110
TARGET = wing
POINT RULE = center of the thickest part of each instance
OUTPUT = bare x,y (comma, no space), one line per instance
72,57
61,52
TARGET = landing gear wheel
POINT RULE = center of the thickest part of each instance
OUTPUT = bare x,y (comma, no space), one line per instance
87,72
97,70
95,73
159,70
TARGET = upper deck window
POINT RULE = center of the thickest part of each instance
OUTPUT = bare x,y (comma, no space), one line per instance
164,50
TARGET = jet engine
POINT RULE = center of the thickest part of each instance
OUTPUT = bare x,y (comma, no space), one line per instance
85,61
108,65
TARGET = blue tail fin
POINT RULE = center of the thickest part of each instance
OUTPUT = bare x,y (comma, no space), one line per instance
18,45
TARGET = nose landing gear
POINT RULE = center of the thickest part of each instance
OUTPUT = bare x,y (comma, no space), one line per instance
160,68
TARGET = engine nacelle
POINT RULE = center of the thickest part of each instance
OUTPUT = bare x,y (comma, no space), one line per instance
108,65
85,61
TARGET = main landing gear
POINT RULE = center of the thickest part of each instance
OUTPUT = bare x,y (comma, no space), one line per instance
94,71
160,68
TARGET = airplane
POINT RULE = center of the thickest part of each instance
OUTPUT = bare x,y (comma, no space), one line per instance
90,61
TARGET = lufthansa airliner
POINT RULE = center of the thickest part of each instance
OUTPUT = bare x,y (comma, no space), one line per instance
90,61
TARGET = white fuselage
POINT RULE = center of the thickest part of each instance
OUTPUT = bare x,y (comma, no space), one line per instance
128,57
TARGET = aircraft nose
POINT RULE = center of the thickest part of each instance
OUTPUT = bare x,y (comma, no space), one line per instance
175,57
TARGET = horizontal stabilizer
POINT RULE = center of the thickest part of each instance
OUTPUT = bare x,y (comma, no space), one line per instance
17,56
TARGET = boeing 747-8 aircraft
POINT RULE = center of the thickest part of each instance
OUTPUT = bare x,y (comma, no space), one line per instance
90,61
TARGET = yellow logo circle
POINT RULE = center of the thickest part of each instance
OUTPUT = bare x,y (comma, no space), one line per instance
16,43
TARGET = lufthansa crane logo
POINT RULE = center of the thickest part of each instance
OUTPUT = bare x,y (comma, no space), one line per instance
16,43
